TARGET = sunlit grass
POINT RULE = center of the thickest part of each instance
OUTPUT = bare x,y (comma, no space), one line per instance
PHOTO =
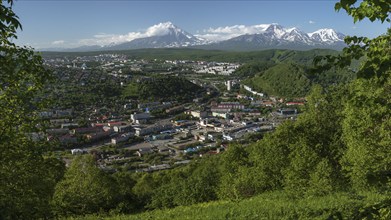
274,205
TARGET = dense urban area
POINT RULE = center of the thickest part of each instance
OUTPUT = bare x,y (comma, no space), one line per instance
97,112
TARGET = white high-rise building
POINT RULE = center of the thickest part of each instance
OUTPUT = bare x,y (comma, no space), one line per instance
229,85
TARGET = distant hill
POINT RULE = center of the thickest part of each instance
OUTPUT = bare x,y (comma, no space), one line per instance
290,78
284,80
166,88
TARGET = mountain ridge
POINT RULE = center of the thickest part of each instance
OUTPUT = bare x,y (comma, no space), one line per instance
268,36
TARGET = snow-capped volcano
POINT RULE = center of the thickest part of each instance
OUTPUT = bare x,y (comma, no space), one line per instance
169,28
236,37
162,35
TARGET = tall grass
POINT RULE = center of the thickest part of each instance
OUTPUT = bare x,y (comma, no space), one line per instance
277,205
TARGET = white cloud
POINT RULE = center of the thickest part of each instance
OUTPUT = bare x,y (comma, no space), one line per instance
58,42
225,33
354,27
106,39
311,22
210,34
159,29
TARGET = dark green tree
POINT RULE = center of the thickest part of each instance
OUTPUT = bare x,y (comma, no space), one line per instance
127,200
85,189
194,183
270,157
366,124
234,162
27,177
293,156
201,184
367,133
145,187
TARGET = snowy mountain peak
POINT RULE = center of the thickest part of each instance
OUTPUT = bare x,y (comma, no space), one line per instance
162,35
162,29
324,30
273,27
264,36
296,35
326,35
168,24
168,28
276,30
294,29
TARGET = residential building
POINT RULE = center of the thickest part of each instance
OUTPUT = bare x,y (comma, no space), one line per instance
121,138
287,111
123,128
197,114
141,131
140,117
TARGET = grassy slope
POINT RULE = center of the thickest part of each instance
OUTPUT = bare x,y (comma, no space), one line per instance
275,205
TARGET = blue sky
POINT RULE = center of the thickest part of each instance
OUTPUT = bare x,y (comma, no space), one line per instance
70,23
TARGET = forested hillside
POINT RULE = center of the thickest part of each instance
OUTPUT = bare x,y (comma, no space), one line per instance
289,79
162,88
283,80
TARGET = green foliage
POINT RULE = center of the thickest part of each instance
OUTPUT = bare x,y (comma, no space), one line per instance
163,88
127,200
293,156
85,189
192,184
145,187
270,157
234,163
183,116
366,123
367,127
132,90
376,52
371,9
252,68
321,179
27,177
305,169
285,79
9,22
294,80
277,205
334,76
66,93
300,171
